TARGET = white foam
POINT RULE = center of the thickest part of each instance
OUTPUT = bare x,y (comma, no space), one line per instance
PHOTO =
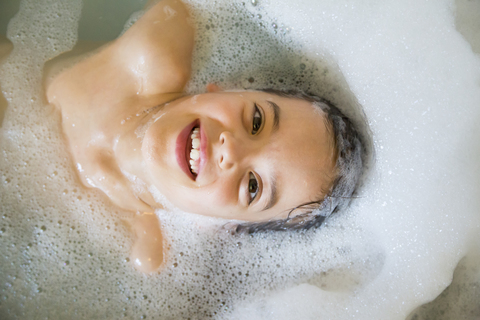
63,250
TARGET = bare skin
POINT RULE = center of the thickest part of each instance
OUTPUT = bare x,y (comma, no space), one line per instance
115,83
118,82
129,126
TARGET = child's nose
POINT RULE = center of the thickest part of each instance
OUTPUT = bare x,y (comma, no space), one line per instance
230,150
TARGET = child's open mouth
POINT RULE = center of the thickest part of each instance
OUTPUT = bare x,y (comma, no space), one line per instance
188,150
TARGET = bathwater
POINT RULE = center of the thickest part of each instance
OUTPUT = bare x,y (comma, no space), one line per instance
407,72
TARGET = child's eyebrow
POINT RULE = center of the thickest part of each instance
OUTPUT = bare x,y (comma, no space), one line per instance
276,115
273,193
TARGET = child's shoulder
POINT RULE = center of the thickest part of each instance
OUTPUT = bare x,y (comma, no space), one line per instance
150,59
159,46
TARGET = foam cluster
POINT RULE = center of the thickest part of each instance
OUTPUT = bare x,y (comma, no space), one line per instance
64,250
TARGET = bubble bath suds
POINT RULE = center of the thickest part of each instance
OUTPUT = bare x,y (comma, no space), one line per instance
64,251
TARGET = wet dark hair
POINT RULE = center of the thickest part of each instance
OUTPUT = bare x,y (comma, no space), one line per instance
349,168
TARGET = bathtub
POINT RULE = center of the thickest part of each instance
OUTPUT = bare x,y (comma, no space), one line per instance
408,72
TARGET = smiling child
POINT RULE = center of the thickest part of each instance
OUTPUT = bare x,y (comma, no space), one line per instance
243,155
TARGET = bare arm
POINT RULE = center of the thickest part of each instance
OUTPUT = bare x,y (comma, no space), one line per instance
157,49
147,253
151,59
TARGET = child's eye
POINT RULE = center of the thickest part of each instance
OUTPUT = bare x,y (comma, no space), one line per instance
257,120
252,187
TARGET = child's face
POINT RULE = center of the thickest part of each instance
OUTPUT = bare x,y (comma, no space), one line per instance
259,154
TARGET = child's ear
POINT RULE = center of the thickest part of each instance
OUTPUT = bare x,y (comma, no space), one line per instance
212,87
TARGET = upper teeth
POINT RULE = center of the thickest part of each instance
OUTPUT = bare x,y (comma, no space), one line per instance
195,152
